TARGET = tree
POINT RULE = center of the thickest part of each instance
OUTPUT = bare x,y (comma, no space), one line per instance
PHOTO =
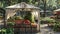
58,3
48,5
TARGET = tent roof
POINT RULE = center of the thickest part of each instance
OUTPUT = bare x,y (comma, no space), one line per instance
23,5
57,10
46,11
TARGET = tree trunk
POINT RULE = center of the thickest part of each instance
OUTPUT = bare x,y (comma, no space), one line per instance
44,8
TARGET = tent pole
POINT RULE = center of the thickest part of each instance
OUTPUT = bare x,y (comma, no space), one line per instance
39,20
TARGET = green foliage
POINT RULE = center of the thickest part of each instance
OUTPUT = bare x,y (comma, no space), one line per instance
49,20
17,17
9,30
3,30
50,4
28,16
10,24
11,19
40,3
56,27
6,31
5,3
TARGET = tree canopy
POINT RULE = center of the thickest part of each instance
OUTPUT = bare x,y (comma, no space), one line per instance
51,4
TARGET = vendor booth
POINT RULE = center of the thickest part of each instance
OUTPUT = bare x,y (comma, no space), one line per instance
26,17
57,14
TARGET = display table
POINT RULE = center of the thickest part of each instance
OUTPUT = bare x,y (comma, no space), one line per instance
26,27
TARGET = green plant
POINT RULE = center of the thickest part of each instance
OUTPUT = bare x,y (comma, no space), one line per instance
6,31
3,31
11,19
10,24
28,16
9,30
56,27
47,19
17,17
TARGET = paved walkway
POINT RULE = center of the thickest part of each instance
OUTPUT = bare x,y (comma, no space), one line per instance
46,30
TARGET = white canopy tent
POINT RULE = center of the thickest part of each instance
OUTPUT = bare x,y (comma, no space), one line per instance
11,10
57,10
23,5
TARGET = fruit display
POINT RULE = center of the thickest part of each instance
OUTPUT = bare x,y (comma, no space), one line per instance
33,25
25,25
18,21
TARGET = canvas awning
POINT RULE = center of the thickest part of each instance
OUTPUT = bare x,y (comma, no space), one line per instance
11,10
57,10
23,5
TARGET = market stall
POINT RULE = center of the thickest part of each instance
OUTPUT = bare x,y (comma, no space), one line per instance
22,9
